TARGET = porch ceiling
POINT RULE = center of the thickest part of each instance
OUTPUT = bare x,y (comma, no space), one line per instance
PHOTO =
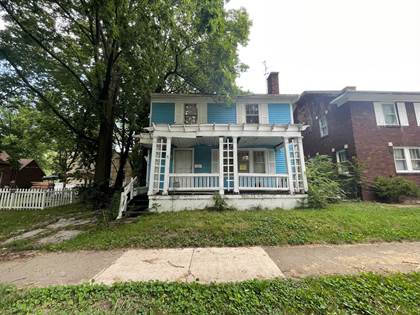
243,142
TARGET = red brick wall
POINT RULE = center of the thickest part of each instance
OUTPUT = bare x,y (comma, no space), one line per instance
339,125
372,142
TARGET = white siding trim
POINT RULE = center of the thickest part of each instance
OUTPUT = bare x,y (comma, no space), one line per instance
179,113
202,113
402,113
379,114
417,111
240,113
263,113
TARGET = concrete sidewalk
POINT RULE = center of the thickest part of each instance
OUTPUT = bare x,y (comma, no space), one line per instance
207,265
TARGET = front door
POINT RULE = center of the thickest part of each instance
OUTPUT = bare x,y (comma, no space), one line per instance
183,161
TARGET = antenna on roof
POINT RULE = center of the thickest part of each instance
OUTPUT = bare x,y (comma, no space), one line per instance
265,68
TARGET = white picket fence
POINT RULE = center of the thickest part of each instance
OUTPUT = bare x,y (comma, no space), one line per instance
25,199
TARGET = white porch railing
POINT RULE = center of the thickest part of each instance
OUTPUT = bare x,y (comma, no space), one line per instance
128,193
27,199
197,181
263,182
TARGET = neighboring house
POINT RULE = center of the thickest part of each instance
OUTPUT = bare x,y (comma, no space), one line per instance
380,129
250,152
28,172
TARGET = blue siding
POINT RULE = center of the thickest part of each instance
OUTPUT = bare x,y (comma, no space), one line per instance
279,114
202,155
163,113
221,113
280,161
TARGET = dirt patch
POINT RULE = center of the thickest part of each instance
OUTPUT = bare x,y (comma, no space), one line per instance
24,236
59,237
65,222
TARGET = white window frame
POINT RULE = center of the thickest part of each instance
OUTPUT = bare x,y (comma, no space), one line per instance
408,162
339,161
397,116
321,120
251,160
253,115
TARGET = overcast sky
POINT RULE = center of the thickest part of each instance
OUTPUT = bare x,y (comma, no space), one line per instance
330,44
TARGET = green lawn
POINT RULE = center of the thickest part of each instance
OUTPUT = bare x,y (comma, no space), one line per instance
11,221
361,294
340,223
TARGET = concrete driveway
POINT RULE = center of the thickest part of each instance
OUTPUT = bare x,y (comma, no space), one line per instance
207,265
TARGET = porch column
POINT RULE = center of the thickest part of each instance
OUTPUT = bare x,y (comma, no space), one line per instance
235,165
148,167
167,165
152,167
303,166
221,177
288,164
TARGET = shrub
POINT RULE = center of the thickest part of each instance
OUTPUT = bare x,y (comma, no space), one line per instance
391,189
219,203
323,182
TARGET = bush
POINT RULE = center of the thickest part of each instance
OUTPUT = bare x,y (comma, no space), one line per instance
391,189
324,186
219,203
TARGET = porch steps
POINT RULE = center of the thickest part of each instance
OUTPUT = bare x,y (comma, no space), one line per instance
138,205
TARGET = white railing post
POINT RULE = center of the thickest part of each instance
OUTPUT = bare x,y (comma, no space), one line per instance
43,199
221,177
152,168
288,164
303,166
235,165
167,165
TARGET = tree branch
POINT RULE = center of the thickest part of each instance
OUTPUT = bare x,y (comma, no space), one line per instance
47,102
40,44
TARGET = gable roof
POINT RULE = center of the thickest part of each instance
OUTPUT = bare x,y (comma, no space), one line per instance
25,162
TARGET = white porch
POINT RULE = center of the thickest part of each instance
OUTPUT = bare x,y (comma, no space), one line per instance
228,175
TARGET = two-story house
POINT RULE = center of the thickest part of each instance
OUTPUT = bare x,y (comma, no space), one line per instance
379,129
249,151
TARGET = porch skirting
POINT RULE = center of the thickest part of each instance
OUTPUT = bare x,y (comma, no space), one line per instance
160,203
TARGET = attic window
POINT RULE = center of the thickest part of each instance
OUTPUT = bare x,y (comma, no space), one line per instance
190,114
252,114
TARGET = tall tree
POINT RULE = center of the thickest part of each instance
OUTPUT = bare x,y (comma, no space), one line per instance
94,63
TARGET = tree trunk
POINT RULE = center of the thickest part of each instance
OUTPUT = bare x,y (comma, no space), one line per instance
104,155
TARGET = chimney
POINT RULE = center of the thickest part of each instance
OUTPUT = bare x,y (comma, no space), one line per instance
273,83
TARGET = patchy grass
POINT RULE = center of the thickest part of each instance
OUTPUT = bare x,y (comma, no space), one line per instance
361,294
14,221
339,223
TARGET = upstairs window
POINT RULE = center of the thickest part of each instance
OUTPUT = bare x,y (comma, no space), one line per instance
323,126
407,159
390,114
190,114
252,114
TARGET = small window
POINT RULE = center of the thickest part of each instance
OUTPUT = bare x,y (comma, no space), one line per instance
342,162
252,114
390,114
190,114
243,161
259,162
323,126
400,161
415,159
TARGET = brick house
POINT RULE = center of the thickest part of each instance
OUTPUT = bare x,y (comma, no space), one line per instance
380,129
